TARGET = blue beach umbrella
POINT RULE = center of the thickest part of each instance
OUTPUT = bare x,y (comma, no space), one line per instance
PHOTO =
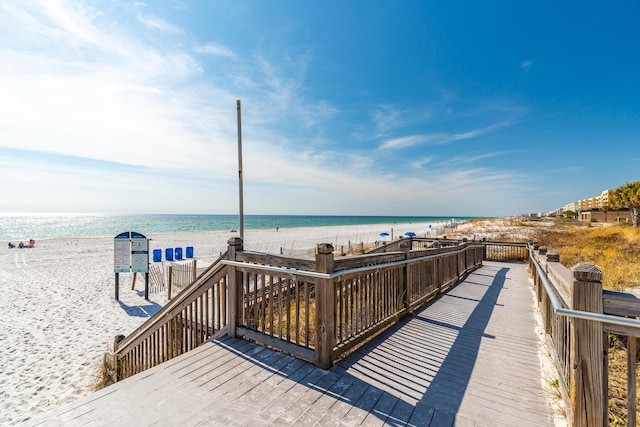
410,234
383,234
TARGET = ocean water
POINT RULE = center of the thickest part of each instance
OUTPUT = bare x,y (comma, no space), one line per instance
52,226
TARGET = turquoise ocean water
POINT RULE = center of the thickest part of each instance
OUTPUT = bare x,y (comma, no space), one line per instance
52,226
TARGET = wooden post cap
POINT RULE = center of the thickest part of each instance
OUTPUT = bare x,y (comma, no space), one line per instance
553,256
464,240
235,241
116,341
325,248
586,273
542,250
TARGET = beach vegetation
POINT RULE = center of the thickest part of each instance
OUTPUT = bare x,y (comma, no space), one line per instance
291,321
628,196
615,250
104,373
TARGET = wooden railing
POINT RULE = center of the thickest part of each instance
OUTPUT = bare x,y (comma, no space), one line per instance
194,316
579,316
505,251
319,311
314,309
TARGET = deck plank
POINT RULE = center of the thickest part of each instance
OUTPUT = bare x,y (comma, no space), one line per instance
468,358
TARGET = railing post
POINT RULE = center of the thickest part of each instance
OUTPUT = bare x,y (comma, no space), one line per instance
170,282
405,246
325,308
484,248
117,369
588,402
234,287
466,254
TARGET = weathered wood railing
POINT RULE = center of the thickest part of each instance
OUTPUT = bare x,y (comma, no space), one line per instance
318,310
314,309
578,317
194,316
493,250
505,251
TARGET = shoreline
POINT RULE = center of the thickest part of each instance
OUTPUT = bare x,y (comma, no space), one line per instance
50,226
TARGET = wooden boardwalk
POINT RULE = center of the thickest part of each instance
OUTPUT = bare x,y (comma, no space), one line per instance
469,358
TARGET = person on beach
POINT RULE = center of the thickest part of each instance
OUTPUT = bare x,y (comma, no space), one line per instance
11,245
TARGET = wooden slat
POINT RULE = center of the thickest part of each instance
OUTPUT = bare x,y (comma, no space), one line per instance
632,351
620,303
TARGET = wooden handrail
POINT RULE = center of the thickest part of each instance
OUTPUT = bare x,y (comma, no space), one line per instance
214,272
581,348
274,300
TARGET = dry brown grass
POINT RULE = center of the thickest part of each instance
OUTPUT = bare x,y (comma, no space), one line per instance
102,376
615,250
297,332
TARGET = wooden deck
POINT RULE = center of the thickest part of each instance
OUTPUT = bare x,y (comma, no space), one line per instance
468,358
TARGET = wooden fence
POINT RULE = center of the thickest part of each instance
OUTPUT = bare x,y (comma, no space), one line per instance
314,309
579,317
194,316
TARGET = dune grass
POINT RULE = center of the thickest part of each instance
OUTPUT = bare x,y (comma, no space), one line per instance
615,250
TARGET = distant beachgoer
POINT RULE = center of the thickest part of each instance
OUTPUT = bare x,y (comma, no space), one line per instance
277,228
11,245
21,245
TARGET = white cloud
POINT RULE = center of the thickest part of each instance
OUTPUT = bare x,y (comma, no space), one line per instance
215,49
526,63
422,162
438,138
411,140
471,158
155,23
386,118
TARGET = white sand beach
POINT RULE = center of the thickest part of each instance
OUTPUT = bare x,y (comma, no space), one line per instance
59,314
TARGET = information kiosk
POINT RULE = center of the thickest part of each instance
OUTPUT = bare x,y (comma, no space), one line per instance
131,255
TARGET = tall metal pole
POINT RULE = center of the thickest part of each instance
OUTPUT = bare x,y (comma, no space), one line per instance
240,172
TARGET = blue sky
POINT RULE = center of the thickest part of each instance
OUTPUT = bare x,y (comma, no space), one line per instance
348,107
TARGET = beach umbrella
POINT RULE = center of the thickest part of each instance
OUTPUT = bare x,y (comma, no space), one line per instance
383,234
410,234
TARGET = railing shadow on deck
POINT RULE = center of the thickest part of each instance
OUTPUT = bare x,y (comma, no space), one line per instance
439,358
425,389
